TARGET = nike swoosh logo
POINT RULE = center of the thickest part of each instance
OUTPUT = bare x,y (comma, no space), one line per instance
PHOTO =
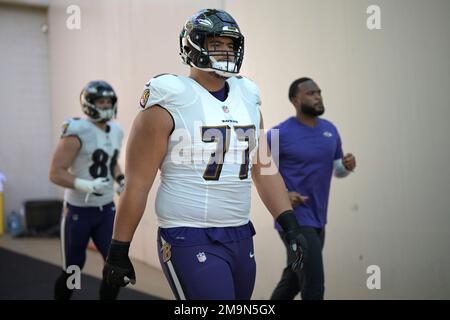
251,254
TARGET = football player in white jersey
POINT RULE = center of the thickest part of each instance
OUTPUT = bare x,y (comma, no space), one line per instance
202,132
85,163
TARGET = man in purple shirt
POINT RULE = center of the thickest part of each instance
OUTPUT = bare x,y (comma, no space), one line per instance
309,153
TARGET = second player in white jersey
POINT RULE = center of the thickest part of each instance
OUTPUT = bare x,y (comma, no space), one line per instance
85,163
96,158
205,179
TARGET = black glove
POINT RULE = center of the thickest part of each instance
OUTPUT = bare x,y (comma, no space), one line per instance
118,270
297,242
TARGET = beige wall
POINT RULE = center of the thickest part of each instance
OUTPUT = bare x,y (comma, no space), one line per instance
25,115
386,90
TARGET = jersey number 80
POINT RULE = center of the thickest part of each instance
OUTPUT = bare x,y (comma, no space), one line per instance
99,167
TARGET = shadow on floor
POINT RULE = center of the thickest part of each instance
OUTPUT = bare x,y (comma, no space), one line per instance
24,278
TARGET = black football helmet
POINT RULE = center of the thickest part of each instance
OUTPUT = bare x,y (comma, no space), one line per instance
215,23
95,90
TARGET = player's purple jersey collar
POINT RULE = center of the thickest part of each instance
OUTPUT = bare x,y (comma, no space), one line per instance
222,94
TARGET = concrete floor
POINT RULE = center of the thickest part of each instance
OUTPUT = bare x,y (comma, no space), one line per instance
149,279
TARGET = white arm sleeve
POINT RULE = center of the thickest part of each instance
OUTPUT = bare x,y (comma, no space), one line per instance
339,169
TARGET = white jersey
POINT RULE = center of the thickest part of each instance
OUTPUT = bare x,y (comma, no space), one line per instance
205,176
97,157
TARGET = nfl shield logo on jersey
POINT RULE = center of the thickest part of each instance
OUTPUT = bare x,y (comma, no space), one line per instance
201,257
225,109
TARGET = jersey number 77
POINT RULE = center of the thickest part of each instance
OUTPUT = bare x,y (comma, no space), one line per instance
221,136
